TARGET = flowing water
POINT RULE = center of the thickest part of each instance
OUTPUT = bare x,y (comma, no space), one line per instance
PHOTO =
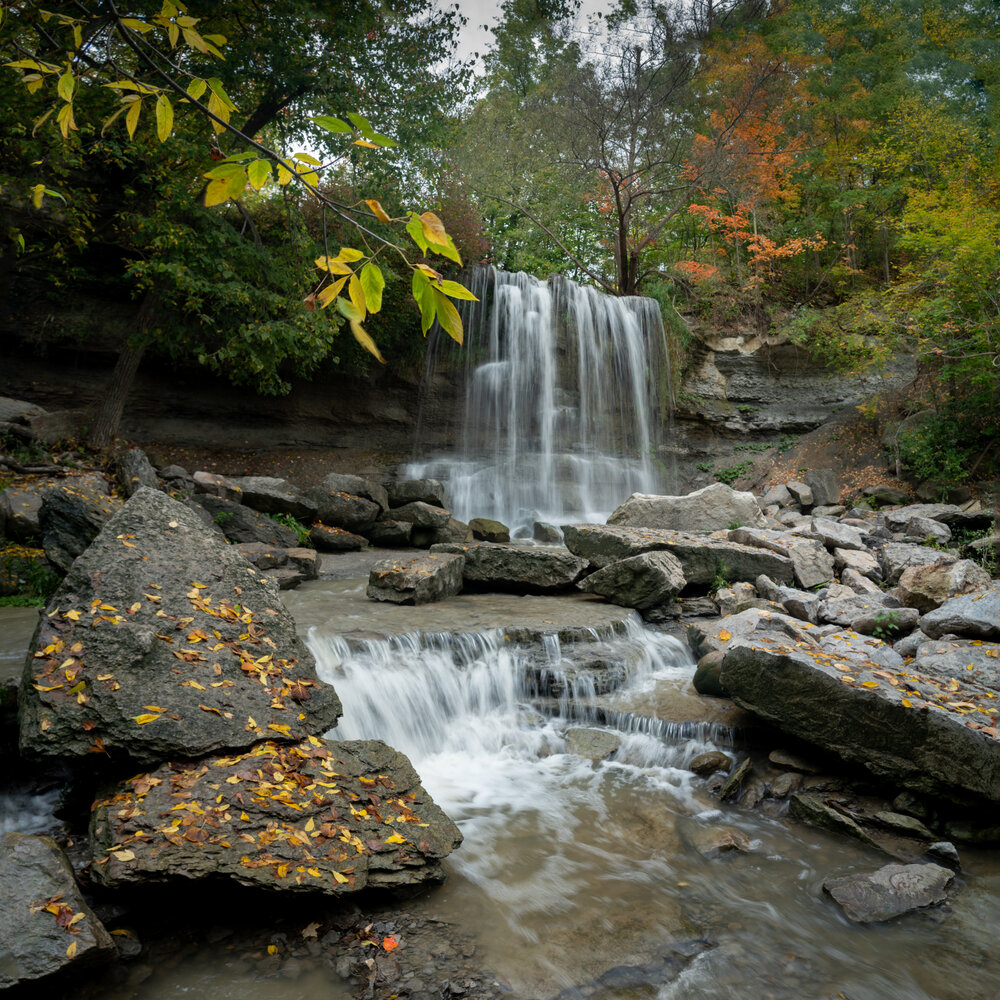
564,388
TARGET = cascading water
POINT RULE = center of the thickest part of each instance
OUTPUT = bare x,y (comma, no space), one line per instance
563,402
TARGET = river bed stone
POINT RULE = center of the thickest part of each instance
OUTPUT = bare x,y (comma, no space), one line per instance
889,892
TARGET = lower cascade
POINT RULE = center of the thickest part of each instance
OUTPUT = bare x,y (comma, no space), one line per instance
564,387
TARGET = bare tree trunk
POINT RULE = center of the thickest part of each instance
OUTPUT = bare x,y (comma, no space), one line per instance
109,414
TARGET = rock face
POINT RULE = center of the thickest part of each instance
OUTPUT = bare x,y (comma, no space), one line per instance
644,581
904,726
420,580
40,899
314,816
390,534
71,517
270,495
928,587
242,524
712,508
973,616
969,659
702,557
491,566
897,557
163,641
358,486
19,511
889,892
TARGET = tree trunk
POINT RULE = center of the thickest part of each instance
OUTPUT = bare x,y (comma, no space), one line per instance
109,413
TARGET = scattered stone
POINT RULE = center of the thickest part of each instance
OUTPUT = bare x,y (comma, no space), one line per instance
735,598
889,892
305,560
420,580
908,645
872,614
909,826
789,761
242,524
824,485
801,604
343,510
776,495
735,780
836,535
801,494
897,520
220,486
328,539
406,491
928,587
712,508
714,841
19,513
40,899
485,530
708,763
988,545
644,581
135,470
944,852
783,786
886,495
453,531
860,561
972,660
707,674
271,495
594,744
809,809
858,583
927,530
336,482
813,565
263,556
422,515
976,616
516,568
547,534
390,534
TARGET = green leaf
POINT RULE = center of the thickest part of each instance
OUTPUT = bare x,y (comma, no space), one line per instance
424,298
349,253
361,124
416,231
447,316
383,140
258,173
241,157
456,291
349,310
216,84
331,124
217,192
222,170
132,118
164,118
372,284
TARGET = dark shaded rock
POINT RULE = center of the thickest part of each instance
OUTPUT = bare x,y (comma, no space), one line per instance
789,761
19,513
707,676
161,612
594,744
889,892
279,816
40,897
71,518
783,786
485,530
945,853
734,782
712,508
264,556
271,495
824,485
702,557
305,560
406,491
453,531
975,616
390,534
644,581
344,510
420,580
422,515
287,577
886,495
337,482
135,470
809,809
242,524
18,411
909,826
547,534
708,763
513,568
897,520
216,485
813,565
328,539
928,587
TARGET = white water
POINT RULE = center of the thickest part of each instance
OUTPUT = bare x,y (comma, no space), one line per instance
562,402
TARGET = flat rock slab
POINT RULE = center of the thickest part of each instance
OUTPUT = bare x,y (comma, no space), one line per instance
965,659
648,580
46,924
164,642
702,557
316,816
420,580
271,495
712,508
889,892
594,744
935,736
973,616
517,568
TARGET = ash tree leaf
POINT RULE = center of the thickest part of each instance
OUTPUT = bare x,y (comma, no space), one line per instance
456,291
331,123
372,284
362,125
447,315
377,210
357,295
258,173
424,298
164,118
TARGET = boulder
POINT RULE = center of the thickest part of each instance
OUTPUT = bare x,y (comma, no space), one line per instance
905,727
871,897
899,556
858,583
19,513
328,539
714,841
871,614
407,491
849,643
970,660
549,534
707,674
485,530
703,558
927,530
263,556
217,485
47,925
242,524
422,515
390,534
735,598
811,810
886,495
643,581
71,518
162,642
974,616
343,510
801,494
812,564
835,535
489,566
776,496
419,580
706,764
312,816
861,561
18,411
703,637
824,485
271,495
897,520
712,508
305,560
594,744
453,531
928,587
337,482
135,470
801,604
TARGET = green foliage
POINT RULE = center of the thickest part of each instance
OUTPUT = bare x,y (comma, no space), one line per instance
940,447
720,581
290,521
26,576
756,446
704,466
223,517
786,442
733,472
886,625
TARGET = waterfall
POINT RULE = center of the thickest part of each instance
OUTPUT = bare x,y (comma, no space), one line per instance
562,406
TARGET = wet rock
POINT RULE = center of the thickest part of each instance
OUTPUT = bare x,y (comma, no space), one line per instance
328,539
515,568
263,556
271,495
703,558
486,530
813,565
945,853
734,783
712,508
390,534
343,510
40,899
809,809
909,826
546,533
71,517
160,612
420,580
708,763
706,678
899,556
422,515
789,761
644,581
715,841
928,587
337,482
406,491
453,531
19,511
972,660
242,524
276,816
135,470
305,560
594,744
783,786
974,616
889,892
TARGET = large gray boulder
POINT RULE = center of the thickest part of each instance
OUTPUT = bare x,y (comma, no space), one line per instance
523,570
973,616
896,557
712,508
19,513
419,580
824,485
753,624
970,660
358,486
801,604
859,560
47,926
271,495
241,525
847,642
164,642
422,515
870,614
812,564
703,558
870,897
328,539
909,728
343,510
928,587
946,513
644,581
835,535
313,816
405,491
71,516
135,470
390,534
